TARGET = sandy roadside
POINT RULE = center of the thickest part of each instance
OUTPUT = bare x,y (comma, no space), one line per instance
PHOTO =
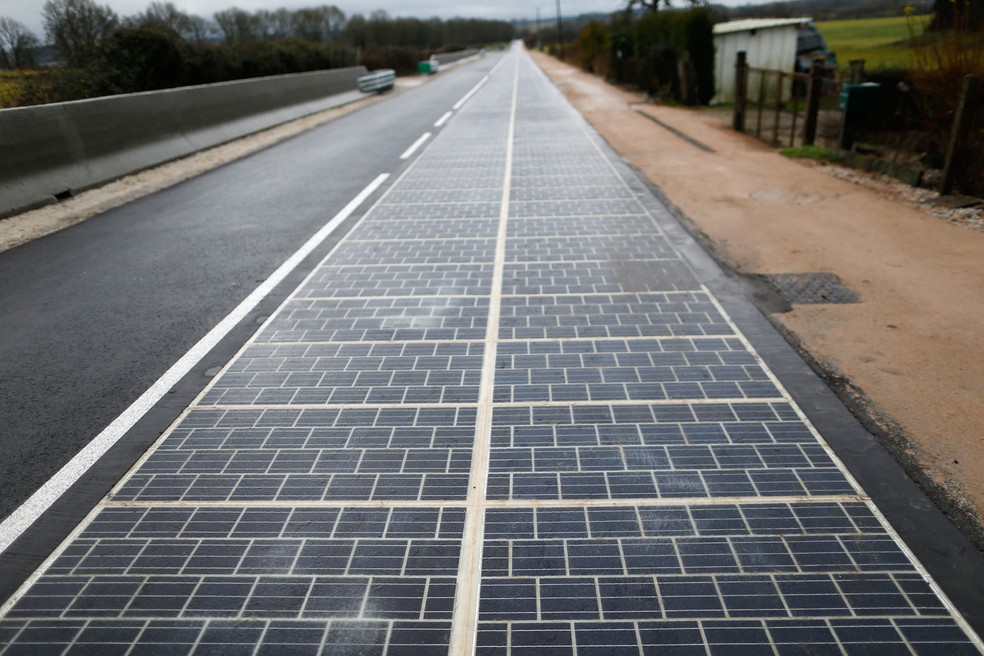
908,358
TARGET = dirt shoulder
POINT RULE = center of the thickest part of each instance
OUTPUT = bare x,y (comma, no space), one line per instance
908,358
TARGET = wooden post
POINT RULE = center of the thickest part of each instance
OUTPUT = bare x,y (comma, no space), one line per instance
813,103
741,90
849,125
855,74
761,103
779,103
958,133
796,108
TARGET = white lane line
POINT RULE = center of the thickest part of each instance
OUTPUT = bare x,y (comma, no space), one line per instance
464,626
444,119
458,105
416,144
28,512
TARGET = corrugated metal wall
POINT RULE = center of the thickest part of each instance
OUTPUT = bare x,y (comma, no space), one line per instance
773,48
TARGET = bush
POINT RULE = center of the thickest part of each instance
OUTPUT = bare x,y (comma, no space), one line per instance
667,53
593,48
140,59
57,85
943,59
402,60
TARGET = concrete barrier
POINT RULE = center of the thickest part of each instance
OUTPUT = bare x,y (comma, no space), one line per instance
451,57
53,151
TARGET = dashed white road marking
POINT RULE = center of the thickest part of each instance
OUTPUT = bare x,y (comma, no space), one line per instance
416,144
444,119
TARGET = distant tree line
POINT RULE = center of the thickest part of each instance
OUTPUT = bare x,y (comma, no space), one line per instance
102,53
820,9
669,54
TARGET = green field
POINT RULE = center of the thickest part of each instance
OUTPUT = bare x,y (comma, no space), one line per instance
881,42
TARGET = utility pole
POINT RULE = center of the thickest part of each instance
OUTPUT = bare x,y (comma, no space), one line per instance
539,45
560,25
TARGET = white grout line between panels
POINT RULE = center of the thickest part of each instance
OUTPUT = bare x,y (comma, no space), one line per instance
501,404
511,504
464,625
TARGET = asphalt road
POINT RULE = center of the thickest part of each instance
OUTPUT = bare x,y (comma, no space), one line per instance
93,315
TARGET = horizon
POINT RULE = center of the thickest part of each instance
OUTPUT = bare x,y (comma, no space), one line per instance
28,12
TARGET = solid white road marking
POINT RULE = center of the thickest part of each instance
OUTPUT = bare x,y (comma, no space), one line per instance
28,512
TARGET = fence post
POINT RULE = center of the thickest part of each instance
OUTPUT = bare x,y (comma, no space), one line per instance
741,90
761,101
855,74
849,126
813,103
958,133
780,85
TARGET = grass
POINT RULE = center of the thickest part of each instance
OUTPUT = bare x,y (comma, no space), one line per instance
881,42
10,85
9,88
806,152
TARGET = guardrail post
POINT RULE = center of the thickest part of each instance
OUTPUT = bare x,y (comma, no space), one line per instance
813,102
958,134
741,90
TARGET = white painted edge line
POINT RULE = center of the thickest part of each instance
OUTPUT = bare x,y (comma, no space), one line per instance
458,105
28,512
444,119
416,144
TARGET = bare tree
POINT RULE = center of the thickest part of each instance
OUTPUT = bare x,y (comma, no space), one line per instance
159,14
654,5
199,29
277,24
324,23
334,22
238,25
16,42
76,27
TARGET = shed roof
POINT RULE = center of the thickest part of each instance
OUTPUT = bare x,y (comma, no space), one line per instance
748,24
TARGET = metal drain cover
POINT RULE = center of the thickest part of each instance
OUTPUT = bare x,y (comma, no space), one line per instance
812,288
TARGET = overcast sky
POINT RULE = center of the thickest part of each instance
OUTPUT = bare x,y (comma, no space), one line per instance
29,11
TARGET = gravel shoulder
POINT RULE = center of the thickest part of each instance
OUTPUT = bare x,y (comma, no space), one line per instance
907,358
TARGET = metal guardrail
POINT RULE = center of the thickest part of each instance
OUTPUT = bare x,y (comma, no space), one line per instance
377,81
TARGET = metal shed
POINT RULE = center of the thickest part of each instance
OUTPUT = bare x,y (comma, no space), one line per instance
770,43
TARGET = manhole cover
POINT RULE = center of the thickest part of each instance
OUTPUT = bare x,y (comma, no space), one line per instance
812,288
